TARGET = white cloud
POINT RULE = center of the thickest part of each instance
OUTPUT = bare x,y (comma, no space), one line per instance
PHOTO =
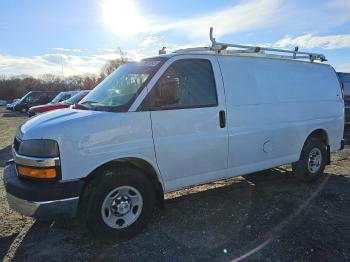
58,63
151,40
247,14
125,19
106,50
152,43
298,17
79,50
84,64
54,64
340,9
313,41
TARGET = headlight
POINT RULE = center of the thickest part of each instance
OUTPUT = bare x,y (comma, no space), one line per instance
19,133
39,148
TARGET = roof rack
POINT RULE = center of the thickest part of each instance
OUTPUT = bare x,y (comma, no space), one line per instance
218,47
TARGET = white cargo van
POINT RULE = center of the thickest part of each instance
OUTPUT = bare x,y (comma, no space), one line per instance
174,121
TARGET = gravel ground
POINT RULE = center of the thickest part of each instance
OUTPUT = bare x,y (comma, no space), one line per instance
265,216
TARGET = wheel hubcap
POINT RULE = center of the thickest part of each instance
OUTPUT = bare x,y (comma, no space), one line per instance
314,160
121,207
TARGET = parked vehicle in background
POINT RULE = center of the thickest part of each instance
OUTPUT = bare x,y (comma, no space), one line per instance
63,96
34,98
345,79
174,121
3,102
10,106
35,110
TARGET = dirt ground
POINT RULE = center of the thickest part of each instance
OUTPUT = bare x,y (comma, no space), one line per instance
266,216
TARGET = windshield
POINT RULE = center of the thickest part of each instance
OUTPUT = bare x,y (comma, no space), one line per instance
31,97
119,89
25,97
76,98
57,98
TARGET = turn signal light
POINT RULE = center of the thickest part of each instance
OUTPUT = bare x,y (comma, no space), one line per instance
44,173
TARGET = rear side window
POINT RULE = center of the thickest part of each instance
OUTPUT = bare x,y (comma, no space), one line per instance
187,83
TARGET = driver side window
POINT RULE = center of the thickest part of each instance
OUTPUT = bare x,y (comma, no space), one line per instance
187,83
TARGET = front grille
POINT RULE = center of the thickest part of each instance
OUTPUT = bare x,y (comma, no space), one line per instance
16,143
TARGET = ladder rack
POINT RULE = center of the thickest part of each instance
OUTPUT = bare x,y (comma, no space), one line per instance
222,48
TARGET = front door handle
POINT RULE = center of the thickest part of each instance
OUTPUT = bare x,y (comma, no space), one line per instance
222,118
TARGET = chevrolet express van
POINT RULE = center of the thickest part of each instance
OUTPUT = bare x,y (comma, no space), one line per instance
170,122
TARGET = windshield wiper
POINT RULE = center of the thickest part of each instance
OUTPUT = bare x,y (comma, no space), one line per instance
86,105
88,102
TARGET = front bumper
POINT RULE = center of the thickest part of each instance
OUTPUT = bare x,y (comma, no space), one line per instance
46,209
43,200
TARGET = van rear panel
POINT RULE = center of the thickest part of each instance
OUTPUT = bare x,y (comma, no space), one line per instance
273,105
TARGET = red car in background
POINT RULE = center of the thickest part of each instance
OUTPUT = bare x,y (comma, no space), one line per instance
35,110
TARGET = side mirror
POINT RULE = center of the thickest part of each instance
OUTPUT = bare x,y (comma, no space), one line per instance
169,92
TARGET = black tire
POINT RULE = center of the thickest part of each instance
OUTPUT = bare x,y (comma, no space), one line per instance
112,178
301,168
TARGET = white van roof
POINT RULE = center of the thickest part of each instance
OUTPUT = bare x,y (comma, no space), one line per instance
218,48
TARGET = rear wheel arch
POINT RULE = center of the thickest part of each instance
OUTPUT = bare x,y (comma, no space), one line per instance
319,134
322,135
316,140
312,161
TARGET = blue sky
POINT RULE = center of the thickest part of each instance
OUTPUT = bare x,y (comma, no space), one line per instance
38,37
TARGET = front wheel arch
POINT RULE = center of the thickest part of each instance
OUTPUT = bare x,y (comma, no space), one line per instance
123,179
138,163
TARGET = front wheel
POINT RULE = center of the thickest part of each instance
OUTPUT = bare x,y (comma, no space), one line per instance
121,203
312,160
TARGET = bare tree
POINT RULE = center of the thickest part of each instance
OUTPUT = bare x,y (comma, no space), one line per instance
112,65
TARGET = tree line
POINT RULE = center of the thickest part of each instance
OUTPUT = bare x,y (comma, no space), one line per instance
17,86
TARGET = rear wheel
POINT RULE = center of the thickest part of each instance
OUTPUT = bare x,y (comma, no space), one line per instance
312,160
120,204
